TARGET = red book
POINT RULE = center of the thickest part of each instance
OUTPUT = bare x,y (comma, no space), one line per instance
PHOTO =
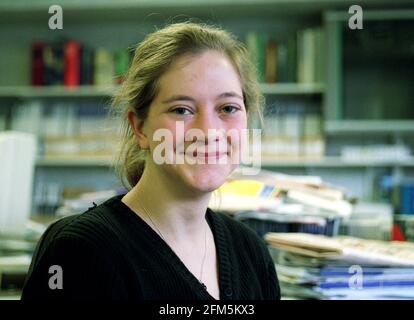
397,234
38,64
72,62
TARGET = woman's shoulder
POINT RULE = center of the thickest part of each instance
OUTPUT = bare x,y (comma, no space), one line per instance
83,247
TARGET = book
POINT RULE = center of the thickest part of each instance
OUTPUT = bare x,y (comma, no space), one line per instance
104,72
313,184
53,57
27,117
320,55
256,45
86,72
407,199
282,63
121,65
271,63
305,277
17,157
3,119
72,62
342,207
310,55
292,59
37,64
293,131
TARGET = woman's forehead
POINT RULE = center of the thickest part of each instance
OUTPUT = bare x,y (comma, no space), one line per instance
210,73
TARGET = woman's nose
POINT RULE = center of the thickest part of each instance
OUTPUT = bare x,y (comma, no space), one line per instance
211,127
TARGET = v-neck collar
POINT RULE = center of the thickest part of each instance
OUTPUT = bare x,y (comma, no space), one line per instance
168,254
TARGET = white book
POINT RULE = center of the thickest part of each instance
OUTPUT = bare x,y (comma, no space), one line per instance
312,125
342,207
27,117
306,55
104,73
17,159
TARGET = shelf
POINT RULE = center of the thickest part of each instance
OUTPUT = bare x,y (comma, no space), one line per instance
28,10
94,91
56,91
333,162
6,295
349,127
326,162
373,15
292,88
75,162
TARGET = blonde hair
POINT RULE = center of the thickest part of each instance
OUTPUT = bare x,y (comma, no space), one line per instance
153,56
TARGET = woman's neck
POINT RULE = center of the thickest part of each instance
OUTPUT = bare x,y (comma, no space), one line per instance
179,214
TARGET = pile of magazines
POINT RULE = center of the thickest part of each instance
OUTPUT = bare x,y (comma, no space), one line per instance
318,267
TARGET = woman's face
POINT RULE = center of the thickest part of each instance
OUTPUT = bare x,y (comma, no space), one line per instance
201,92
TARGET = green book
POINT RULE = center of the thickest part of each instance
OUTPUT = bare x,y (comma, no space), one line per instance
256,44
292,59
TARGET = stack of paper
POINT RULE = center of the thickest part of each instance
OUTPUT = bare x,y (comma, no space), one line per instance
86,200
13,271
275,192
314,266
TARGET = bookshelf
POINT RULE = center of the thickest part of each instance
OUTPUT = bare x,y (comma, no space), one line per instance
267,162
124,23
356,127
20,92
102,91
362,82
369,94
334,162
292,88
74,162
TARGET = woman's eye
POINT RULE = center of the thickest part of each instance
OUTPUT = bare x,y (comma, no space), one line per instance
181,111
229,109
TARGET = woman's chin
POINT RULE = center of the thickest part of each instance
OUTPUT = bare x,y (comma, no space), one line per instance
206,178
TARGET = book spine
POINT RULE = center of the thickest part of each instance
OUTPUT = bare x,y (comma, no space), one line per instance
58,63
282,63
86,66
256,45
37,65
72,53
292,59
271,62
406,199
104,69
121,65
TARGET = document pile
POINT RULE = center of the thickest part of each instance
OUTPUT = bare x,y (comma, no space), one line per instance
86,200
274,202
319,267
276,192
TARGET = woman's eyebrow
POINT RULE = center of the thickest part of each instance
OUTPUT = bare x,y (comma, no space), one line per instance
229,94
178,98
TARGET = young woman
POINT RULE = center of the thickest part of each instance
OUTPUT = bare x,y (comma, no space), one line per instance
160,240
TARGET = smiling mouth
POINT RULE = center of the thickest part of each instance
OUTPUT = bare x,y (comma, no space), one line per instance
213,155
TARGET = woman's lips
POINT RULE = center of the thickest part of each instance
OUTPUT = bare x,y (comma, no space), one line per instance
216,155
211,155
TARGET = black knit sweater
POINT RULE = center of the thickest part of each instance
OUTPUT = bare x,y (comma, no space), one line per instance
110,253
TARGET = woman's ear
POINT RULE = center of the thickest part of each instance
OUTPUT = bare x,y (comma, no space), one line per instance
137,126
